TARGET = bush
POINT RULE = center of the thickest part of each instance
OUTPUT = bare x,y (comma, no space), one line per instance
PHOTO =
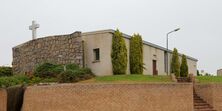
72,66
184,67
175,64
68,76
136,54
119,53
47,73
47,70
75,75
5,71
13,80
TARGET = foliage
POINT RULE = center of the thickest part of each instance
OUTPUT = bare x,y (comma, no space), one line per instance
68,76
75,75
184,67
208,74
136,54
119,53
198,73
133,78
48,70
72,66
5,71
175,64
36,80
47,73
13,80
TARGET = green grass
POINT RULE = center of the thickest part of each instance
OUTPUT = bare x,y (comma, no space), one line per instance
209,79
131,78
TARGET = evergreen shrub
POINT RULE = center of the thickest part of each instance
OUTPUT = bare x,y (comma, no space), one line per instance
119,54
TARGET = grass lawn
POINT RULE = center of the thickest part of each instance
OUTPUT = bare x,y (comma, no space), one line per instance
130,79
209,79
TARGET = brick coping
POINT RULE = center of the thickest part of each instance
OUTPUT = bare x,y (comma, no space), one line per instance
107,84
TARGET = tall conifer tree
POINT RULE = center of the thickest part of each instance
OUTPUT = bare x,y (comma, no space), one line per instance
175,64
184,67
136,54
119,53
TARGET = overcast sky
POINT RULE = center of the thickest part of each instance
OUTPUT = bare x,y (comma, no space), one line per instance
200,22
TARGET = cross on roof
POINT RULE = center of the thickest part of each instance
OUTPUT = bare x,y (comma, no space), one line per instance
33,27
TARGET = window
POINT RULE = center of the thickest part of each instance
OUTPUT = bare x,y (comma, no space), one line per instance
96,54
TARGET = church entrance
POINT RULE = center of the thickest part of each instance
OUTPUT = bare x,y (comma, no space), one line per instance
155,72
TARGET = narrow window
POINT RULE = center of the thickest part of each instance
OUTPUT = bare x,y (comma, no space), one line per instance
96,54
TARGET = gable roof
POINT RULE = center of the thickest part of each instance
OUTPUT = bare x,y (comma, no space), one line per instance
144,42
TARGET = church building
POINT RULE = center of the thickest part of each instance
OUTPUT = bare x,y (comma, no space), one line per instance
89,49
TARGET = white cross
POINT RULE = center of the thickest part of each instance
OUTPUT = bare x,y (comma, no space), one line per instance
33,27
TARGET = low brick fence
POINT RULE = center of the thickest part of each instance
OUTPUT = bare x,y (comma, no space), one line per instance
3,100
211,93
109,97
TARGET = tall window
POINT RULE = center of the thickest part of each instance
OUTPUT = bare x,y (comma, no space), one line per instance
96,54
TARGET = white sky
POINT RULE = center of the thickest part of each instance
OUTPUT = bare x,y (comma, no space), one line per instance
200,22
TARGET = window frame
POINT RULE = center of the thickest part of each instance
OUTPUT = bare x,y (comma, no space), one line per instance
96,55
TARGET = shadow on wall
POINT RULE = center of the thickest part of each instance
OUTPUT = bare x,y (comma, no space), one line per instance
15,98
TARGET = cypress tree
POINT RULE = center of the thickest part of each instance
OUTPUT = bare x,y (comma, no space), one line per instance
184,67
198,73
175,64
136,54
119,53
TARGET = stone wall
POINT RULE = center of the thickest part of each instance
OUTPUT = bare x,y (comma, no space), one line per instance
3,100
212,93
219,72
109,97
60,49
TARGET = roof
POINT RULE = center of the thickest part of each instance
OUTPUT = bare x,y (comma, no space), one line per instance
144,42
125,36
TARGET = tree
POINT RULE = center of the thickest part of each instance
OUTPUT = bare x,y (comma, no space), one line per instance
198,73
119,53
136,54
184,67
175,64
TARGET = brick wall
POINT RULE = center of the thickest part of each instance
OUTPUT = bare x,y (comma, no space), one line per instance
48,49
212,93
3,100
109,97
205,91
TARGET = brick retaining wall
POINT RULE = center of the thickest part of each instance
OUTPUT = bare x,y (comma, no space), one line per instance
212,93
3,100
109,97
